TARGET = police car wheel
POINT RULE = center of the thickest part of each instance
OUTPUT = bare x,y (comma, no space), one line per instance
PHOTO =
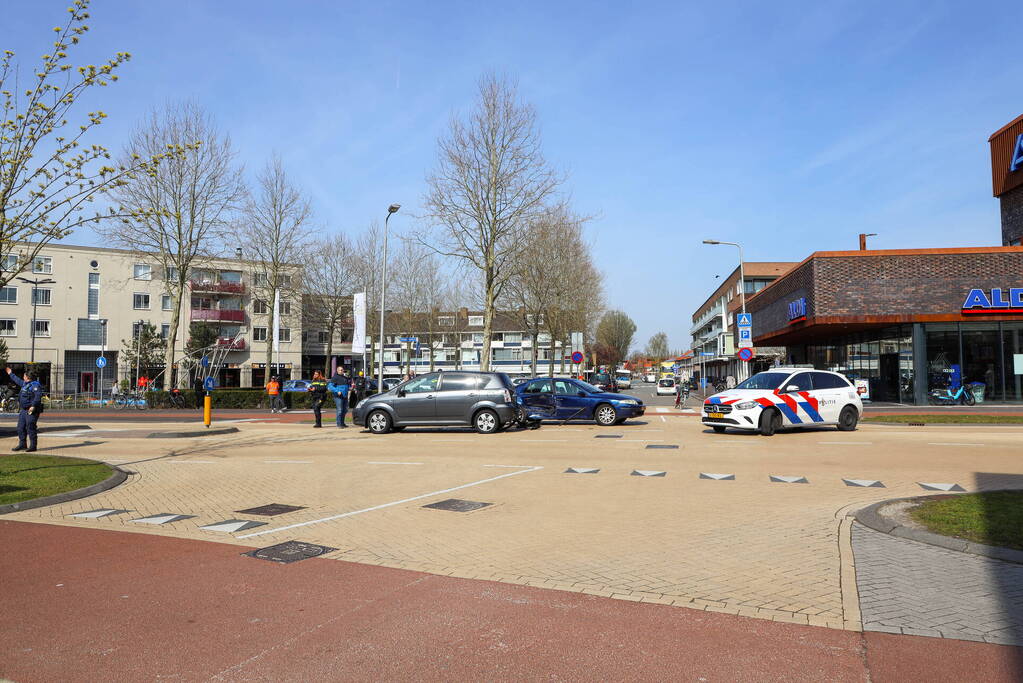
379,422
718,429
847,419
770,422
605,415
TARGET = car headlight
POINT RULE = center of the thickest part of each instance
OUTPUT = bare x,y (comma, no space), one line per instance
746,405
628,402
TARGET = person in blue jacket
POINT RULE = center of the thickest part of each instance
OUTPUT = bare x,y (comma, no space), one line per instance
338,387
30,398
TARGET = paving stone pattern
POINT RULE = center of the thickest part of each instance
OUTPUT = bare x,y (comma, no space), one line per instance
920,589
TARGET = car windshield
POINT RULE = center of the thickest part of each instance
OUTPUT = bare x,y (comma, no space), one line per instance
764,380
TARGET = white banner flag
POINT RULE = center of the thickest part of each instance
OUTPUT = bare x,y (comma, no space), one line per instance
277,323
359,314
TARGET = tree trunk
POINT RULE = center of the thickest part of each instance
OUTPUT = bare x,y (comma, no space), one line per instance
330,351
535,354
488,321
270,342
168,355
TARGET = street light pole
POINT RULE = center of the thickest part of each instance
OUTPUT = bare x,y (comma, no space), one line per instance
35,304
742,285
103,355
383,291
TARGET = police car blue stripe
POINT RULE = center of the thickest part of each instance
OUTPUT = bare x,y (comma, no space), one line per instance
814,415
715,399
789,413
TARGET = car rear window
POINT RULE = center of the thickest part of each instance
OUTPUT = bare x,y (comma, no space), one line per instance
666,383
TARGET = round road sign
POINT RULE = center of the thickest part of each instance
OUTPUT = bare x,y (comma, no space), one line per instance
209,384
101,362
577,357
745,354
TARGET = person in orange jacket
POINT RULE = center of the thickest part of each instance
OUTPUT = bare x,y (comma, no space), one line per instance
273,390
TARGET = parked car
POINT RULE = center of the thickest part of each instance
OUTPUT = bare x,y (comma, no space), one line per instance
485,401
572,399
624,381
604,381
650,378
785,397
301,385
666,387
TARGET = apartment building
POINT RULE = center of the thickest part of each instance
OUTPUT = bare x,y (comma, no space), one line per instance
91,301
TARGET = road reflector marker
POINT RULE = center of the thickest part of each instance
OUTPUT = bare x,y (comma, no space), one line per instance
717,477
780,479
230,526
866,483
581,470
940,487
96,514
648,473
162,518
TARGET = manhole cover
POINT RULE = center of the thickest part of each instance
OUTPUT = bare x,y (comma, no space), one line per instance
270,510
289,551
608,436
456,505
661,445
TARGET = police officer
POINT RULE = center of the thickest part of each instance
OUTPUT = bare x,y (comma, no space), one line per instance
318,389
31,401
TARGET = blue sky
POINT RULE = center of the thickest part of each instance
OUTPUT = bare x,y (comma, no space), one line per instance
789,127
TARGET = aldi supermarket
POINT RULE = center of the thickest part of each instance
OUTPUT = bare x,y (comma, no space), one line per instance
907,321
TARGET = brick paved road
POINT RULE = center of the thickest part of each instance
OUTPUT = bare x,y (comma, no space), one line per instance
919,589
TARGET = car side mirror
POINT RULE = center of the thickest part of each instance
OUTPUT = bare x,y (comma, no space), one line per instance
791,387
401,393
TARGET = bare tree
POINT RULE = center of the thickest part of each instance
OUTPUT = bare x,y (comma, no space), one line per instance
614,337
657,347
490,183
275,233
181,208
410,286
47,175
330,282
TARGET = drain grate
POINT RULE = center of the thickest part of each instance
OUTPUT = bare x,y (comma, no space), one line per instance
270,510
457,505
608,436
290,551
661,445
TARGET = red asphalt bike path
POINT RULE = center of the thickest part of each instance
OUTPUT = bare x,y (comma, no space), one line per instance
87,604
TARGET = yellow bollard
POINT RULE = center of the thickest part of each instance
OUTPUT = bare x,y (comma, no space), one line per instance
207,416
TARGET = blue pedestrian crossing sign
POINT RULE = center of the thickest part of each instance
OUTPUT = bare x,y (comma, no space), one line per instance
744,320
205,362
209,384
101,362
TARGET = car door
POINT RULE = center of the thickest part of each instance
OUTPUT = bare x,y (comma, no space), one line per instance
416,400
457,394
569,404
795,399
538,397
830,392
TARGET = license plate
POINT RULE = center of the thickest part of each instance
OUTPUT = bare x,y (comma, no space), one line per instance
715,416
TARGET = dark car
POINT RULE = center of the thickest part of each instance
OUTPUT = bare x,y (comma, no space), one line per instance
604,381
485,401
572,399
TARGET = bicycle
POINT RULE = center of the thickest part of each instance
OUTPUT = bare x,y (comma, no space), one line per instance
134,399
946,397
9,402
176,400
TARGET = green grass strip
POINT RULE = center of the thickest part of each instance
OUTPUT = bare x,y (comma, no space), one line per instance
993,518
948,419
24,477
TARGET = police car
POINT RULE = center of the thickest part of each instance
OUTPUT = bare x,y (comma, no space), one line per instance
785,397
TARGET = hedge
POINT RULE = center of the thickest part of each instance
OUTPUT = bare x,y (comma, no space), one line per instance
233,398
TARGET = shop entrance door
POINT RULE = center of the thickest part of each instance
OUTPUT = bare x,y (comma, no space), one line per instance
86,382
888,383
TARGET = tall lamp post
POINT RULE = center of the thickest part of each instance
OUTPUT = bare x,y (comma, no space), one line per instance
742,285
393,208
103,355
35,304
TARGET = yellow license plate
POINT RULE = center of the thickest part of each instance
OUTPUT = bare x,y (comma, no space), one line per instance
715,415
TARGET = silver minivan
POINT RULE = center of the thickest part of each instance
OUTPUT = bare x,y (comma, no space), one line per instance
485,401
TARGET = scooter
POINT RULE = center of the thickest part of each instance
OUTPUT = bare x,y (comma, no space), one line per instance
946,397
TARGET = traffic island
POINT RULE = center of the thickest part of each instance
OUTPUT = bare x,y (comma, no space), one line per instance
33,481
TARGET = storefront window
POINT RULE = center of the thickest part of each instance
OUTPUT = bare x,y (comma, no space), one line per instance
981,360
943,366
1012,360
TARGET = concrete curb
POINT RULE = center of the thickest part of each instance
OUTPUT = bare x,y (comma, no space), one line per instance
193,433
944,424
13,431
872,518
110,482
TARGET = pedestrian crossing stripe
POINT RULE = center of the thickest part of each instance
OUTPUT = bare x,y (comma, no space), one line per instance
96,514
581,470
232,525
717,477
866,483
940,487
648,473
162,518
788,480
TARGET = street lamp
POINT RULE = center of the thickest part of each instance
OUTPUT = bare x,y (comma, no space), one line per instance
863,239
35,303
103,355
393,208
742,282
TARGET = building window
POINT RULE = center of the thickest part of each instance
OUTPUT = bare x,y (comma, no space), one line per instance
136,329
9,295
259,334
172,274
43,264
475,321
446,320
514,337
477,338
166,302
140,301
530,317
41,328
285,307
8,327
202,303
260,279
10,262
164,330
507,354
543,338
93,296
260,306
284,334
322,337
143,271
41,296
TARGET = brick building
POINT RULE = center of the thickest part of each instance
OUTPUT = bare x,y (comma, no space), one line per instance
1007,178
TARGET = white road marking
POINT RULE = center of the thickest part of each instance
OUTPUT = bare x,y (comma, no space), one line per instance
638,440
544,440
396,502
845,443
954,444
192,462
509,466
290,462
382,462
663,419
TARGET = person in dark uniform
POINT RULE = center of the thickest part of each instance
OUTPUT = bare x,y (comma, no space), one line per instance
200,391
318,388
30,398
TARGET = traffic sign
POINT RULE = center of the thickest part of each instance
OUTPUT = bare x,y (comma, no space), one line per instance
577,357
101,362
205,361
408,340
209,384
745,354
744,320
707,353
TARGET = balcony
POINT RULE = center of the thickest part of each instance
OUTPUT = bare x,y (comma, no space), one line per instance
217,315
216,287
230,344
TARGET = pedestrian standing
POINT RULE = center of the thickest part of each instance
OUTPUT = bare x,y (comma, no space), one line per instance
273,390
678,394
200,391
30,399
338,387
318,388
357,392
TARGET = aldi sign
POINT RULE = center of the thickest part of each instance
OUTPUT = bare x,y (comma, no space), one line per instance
797,310
993,301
